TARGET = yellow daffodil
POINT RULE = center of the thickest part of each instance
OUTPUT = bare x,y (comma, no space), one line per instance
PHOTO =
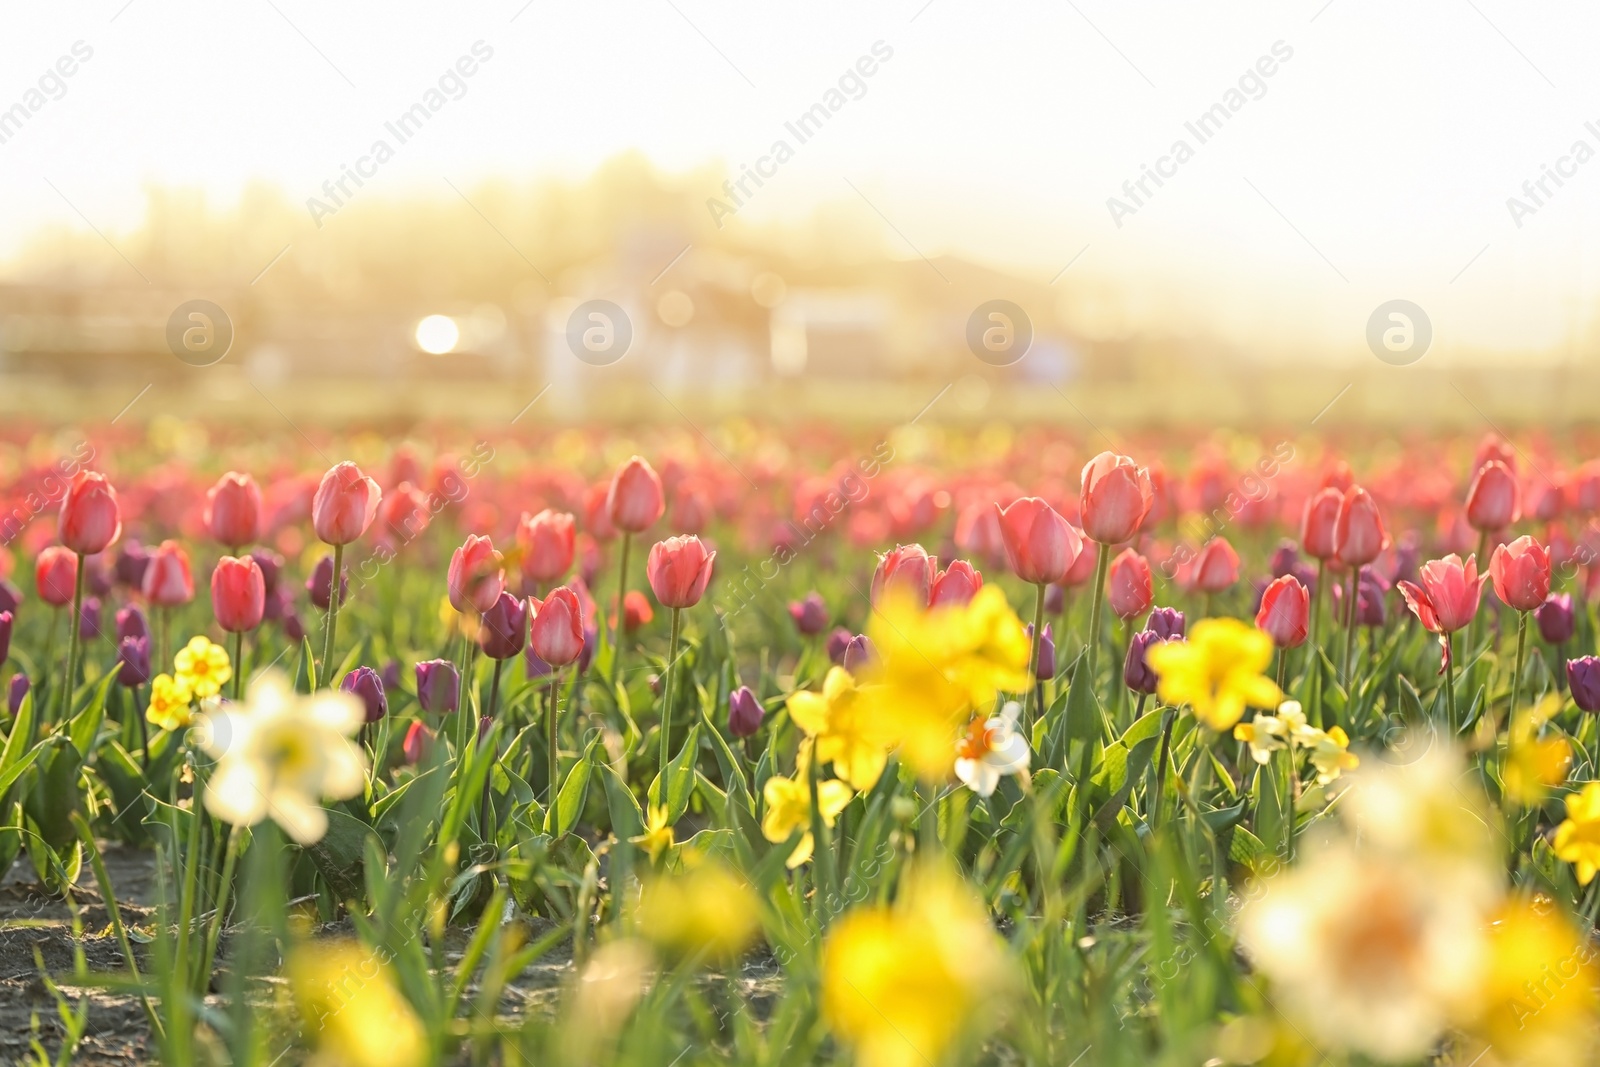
789,807
355,1014
936,668
708,910
1538,1002
203,667
170,701
902,985
657,836
1577,840
1217,672
279,753
843,732
1534,764
1265,734
1331,755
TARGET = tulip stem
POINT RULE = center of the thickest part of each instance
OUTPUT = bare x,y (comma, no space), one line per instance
494,687
616,615
333,614
666,700
1161,762
1102,564
551,729
1033,662
72,640
1450,680
238,664
1349,629
1314,652
822,845
1522,648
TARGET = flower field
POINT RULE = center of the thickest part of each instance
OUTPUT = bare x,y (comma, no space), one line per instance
767,746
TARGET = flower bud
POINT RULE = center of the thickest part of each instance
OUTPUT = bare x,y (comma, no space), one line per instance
365,684
1555,619
744,713
810,615
438,684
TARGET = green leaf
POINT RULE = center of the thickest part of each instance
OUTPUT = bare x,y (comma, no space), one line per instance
626,818
341,854
55,794
84,728
563,814
679,779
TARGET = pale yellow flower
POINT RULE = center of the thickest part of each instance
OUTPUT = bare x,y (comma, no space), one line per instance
657,836
1331,755
843,729
1264,734
356,1015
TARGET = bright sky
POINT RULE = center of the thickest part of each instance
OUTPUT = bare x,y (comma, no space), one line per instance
1375,164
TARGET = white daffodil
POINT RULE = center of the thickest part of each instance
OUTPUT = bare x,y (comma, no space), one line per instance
990,750
1296,729
1331,755
1265,735
280,753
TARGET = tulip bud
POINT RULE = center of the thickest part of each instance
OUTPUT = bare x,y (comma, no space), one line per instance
1285,612
5,634
1115,496
438,684
861,655
271,565
1165,623
55,575
1521,573
1040,545
1055,597
19,690
556,635
238,594
837,642
1216,568
957,584
131,622
504,627
475,578
345,504
133,657
909,569
319,585
1358,532
132,559
90,519
1130,587
1493,501
97,575
810,615
418,743
1046,668
365,684
1136,673
168,582
635,499
293,628
1318,524
1555,619
233,510
89,618
390,675
1285,558
1583,679
679,569
744,712
636,611
548,543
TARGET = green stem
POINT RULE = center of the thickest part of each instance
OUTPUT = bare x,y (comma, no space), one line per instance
1450,680
1161,765
1314,653
494,687
238,664
1522,647
552,729
1349,630
333,615
822,843
666,696
1102,564
1033,661
214,931
72,640
108,894
617,615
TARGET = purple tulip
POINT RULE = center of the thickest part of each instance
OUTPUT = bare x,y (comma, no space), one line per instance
534,664
19,689
293,628
134,661
591,641
89,619
5,634
1284,559
810,615
1055,598
390,675
1407,557
438,683
1583,678
132,559
365,683
271,565
1047,654
320,581
1165,623
1554,617
97,575
504,628
1370,591
10,595
744,712
838,641
860,654
131,622
1136,672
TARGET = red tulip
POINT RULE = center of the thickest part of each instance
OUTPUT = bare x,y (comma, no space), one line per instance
405,512
1318,523
233,510
1521,573
1114,499
547,541
1216,567
418,743
957,584
1447,599
1494,501
635,500
1358,535
690,510
557,631
89,520
1041,546
167,580
1130,588
679,569
238,593
978,533
55,573
1285,613
475,579
596,519
908,569
345,504
636,611
1082,570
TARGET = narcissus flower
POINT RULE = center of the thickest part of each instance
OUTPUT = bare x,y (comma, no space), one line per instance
280,753
169,702
355,1014
1217,672
1331,755
1577,839
708,912
991,749
843,729
903,985
1265,734
657,836
202,666
1538,1002
788,803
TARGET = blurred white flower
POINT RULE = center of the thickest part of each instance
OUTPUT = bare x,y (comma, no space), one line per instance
280,753
990,750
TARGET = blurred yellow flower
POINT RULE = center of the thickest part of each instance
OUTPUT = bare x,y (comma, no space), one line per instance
789,807
1538,1003
202,666
456,622
902,985
355,1014
936,669
169,702
1577,839
1331,755
657,836
1534,764
843,731
707,910
1217,672
1430,810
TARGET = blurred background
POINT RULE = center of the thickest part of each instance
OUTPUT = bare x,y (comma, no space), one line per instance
1329,213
